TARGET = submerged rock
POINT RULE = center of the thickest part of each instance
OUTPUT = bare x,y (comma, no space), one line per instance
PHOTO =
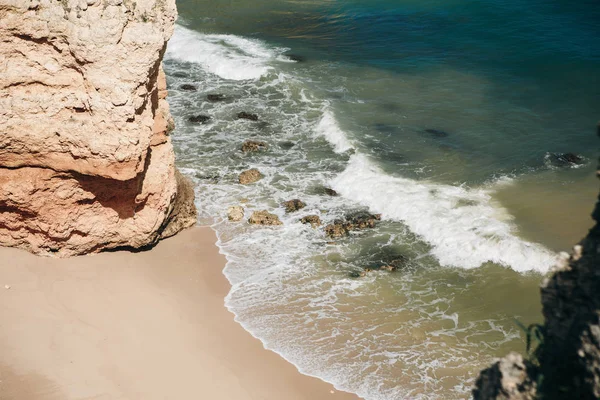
199,119
263,125
248,116
395,264
253,145
437,133
296,57
188,87
386,128
564,159
216,97
208,177
321,190
362,221
360,274
330,192
313,220
365,272
250,176
235,213
286,145
293,205
264,218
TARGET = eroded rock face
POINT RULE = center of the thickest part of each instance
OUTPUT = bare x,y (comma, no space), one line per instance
505,379
86,162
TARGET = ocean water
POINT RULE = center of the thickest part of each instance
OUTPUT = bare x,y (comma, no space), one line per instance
443,116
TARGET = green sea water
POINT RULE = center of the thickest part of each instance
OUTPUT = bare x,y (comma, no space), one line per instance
448,118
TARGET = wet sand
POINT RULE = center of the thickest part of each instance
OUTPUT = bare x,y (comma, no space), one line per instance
122,325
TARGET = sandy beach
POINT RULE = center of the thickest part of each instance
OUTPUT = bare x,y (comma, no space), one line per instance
122,325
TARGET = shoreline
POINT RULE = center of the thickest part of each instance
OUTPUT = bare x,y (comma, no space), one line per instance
123,325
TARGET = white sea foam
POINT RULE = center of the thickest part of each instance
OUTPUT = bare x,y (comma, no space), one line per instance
329,128
228,56
289,288
463,226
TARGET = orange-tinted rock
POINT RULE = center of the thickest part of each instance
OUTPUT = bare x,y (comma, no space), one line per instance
250,176
86,162
264,218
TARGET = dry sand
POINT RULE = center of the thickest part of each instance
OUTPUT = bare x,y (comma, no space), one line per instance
149,325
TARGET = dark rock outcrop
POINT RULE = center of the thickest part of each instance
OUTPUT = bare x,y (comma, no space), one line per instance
508,378
296,57
564,159
568,360
183,212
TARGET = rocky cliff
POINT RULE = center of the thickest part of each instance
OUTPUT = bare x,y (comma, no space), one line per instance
566,365
86,162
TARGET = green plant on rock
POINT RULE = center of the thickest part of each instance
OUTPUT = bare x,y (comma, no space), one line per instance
533,333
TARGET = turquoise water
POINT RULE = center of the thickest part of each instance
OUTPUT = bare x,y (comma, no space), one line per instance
445,117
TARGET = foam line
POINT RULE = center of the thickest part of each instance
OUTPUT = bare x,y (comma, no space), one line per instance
463,227
228,56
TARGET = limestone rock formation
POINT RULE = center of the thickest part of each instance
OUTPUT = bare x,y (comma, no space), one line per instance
250,146
358,221
293,205
86,162
264,218
313,220
250,176
235,213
